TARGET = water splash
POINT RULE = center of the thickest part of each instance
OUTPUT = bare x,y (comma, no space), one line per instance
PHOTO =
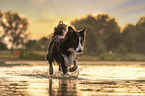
70,75
42,72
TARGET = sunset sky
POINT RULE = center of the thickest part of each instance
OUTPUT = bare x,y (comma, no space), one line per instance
43,15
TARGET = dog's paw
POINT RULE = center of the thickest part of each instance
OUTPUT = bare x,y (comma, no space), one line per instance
72,69
50,70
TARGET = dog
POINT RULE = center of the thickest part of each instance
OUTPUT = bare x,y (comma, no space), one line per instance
59,31
64,49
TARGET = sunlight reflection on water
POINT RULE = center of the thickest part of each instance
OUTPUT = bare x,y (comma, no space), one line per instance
92,80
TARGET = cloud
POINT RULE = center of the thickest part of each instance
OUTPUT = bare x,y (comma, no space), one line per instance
131,18
37,2
129,9
44,15
129,13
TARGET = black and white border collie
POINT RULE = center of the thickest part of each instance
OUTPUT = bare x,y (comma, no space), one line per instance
63,50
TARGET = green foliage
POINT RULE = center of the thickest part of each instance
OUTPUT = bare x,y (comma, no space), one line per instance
34,55
14,27
102,36
133,37
31,45
140,42
3,46
113,57
88,58
122,48
6,55
121,57
43,43
1,14
40,44
103,33
129,37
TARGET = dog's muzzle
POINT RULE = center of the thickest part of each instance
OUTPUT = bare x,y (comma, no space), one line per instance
79,51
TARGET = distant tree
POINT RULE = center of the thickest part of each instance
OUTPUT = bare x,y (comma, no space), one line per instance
133,37
1,25
31,45
1,14
141,21
14,27
0,17
40,44
129,37
103,33
43,43
122,49
140,27
3,46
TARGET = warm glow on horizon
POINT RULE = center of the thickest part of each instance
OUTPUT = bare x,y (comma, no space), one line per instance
39,30
44,15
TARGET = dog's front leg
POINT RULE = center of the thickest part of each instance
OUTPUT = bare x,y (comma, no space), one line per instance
59,68
75,64
64,66
72,69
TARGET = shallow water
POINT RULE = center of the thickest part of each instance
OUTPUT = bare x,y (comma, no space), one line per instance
89,80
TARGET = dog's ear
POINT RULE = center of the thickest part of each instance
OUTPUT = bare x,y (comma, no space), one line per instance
70,29
83,32
69,33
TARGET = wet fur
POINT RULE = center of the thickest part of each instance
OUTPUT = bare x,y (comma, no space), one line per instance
70,59
63,50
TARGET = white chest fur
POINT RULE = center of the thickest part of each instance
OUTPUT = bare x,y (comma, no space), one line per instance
69,60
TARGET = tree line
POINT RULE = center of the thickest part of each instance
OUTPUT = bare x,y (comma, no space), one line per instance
103,34
13,27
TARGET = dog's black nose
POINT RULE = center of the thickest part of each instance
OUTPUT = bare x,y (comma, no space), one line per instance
80,51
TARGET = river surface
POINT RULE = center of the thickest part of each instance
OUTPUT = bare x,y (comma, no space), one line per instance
88,80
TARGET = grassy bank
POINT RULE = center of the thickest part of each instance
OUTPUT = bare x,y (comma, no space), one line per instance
5,55
40,55
24,55
114,57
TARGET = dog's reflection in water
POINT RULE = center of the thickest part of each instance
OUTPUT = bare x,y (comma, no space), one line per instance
65,87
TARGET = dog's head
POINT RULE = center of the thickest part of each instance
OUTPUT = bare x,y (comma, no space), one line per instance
76,39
